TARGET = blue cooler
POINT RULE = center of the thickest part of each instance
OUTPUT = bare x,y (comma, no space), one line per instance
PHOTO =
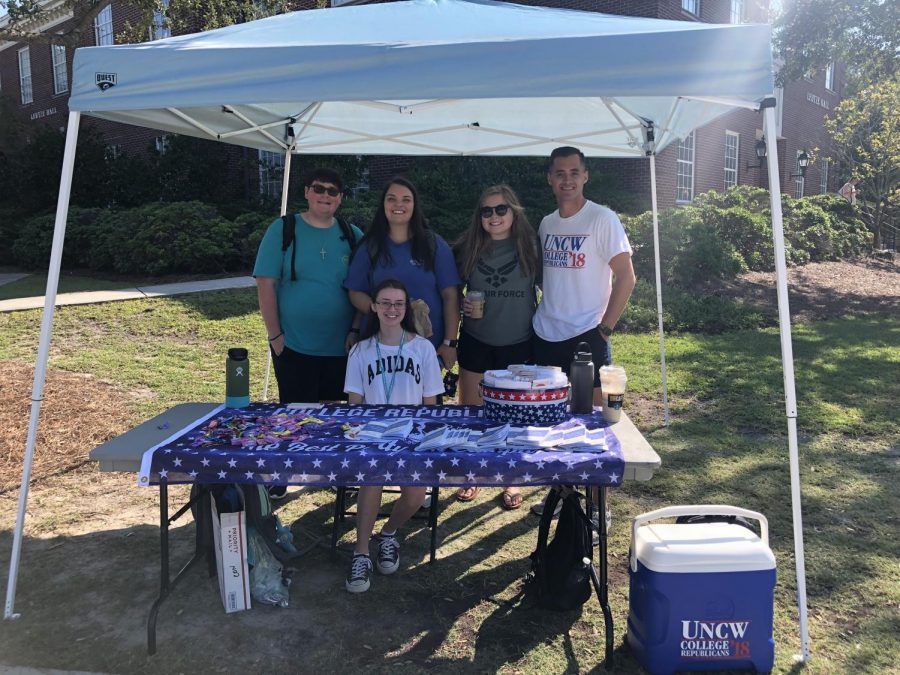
701,594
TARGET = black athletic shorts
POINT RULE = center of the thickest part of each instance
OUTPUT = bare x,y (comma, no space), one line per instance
562,353
477,357
303,378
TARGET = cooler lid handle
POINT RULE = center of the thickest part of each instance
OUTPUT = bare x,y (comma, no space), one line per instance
695,510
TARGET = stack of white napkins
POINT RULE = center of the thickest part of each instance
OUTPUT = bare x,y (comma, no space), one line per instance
378,429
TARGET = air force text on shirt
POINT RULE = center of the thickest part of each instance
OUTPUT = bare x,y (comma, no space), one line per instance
564,250
394,364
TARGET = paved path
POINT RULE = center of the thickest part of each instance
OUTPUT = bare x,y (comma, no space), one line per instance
90,297
9,277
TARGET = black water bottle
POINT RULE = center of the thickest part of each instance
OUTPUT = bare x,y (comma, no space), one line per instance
581,376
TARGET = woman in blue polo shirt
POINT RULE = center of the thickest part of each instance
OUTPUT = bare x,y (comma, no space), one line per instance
400,245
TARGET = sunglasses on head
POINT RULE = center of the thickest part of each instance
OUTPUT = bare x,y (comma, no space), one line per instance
501,210
321,190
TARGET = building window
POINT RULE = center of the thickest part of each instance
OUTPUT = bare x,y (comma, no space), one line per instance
25,75
737,11
732,151
162,144
829,76
60,74
271,173
692,6
684,170
799,181
160,28
823,182
103,27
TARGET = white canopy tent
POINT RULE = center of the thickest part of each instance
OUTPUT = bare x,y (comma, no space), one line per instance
434,77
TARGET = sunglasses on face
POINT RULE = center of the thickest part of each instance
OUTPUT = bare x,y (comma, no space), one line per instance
501,209
386,304
321,190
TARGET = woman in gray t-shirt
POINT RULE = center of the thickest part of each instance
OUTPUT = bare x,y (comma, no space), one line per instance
498,256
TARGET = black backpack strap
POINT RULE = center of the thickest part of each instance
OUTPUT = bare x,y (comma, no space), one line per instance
288,221
347,233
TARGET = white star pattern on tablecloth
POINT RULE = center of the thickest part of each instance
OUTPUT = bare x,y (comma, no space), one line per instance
346,462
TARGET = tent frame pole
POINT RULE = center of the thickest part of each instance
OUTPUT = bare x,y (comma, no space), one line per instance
659,302
40,369
285,187
787,361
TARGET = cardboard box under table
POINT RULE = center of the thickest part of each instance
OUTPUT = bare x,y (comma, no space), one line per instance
701,594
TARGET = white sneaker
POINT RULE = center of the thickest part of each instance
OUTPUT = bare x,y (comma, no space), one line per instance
426,504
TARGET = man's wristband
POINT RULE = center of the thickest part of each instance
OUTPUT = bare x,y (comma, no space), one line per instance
355,330
604,330
272,339
451,343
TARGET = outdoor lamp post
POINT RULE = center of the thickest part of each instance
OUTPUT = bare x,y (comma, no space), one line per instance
802,164
760,149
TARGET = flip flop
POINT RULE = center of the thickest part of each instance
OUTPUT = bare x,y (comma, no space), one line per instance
467,494
511,501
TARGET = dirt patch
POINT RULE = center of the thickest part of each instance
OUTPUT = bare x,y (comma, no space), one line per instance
80,410
824,290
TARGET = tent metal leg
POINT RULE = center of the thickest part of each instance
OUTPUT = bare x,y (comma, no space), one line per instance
659,305
787,362
43,354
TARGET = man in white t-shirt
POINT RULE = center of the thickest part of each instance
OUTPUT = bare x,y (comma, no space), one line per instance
588,276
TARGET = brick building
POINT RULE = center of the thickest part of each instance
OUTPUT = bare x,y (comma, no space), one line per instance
34,80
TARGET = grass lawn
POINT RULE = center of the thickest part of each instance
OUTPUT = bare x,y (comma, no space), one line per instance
726,443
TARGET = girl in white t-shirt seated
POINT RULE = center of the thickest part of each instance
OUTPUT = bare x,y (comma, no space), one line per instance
390,364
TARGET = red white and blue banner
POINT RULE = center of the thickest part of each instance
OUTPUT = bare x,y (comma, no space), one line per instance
383,445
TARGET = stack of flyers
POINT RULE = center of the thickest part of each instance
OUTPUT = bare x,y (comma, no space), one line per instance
594,439
378,429
532,437
571,432
495,437
443,437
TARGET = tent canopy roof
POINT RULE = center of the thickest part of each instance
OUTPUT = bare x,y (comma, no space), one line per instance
464,77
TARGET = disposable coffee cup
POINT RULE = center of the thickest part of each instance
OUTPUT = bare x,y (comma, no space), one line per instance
476,298
612,383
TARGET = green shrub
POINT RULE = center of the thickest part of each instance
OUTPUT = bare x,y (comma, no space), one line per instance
180,237
686,311
85,228
12,220
249,230
704,255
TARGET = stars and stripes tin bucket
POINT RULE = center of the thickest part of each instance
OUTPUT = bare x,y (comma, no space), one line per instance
526,407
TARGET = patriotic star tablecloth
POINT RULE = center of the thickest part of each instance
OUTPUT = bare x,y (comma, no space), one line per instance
328,445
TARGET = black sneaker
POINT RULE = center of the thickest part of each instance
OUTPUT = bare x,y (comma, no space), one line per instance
360,570
388,553
277,492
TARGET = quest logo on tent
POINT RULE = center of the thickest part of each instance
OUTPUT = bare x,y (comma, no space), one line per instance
106,80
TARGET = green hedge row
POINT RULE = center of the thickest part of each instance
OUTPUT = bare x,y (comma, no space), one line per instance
717,237
723,234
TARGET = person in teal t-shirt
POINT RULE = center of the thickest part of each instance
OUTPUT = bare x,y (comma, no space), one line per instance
309,319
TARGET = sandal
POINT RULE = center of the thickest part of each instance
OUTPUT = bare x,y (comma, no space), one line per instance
511,500
467,494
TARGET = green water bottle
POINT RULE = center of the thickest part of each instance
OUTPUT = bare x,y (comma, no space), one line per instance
237,378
